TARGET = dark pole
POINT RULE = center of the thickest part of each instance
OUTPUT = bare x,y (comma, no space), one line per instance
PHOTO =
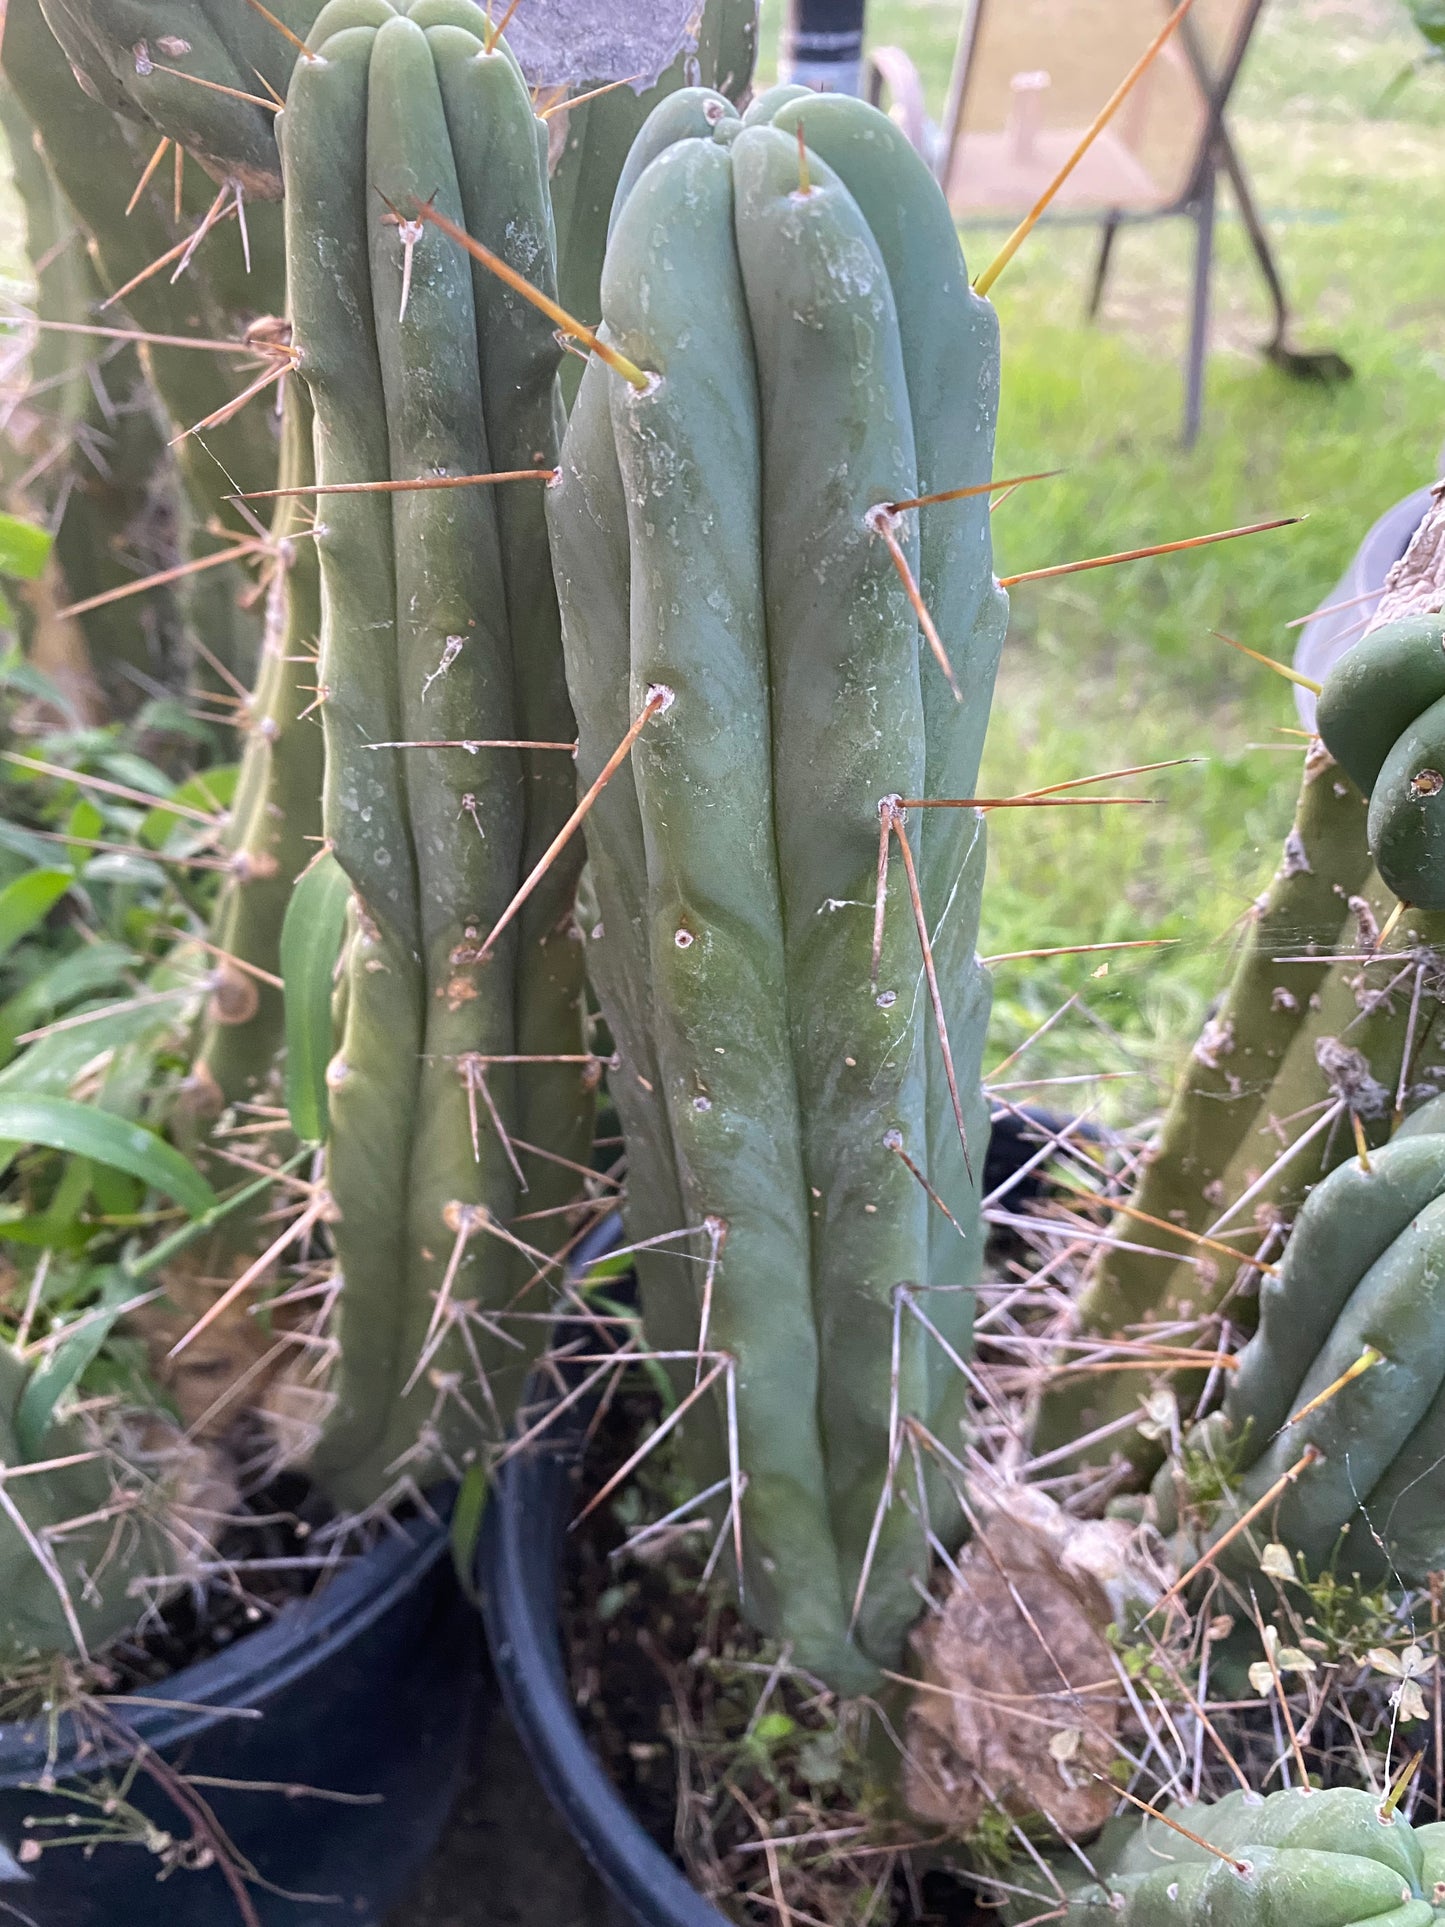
822,45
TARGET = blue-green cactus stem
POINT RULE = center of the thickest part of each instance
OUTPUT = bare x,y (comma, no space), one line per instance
438,622
1308,1858
765,1081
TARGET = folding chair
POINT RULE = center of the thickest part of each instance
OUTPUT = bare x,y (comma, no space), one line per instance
1028,78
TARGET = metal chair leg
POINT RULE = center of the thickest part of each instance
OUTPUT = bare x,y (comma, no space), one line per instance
1199,307
1107,234
1322,364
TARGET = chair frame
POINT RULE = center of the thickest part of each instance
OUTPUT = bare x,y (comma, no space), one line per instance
1197,202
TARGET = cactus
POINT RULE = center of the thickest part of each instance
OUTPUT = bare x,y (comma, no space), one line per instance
597,138
1382,715
1269,1055
1226,1093
1314,1859
813,353
70,1540
438,622
96,165
198,72
1347,1370
275,816
113,486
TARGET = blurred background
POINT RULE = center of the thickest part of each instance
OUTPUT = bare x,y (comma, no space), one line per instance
1339,115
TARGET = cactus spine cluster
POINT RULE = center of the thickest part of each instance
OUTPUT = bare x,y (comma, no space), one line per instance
439,622
794,290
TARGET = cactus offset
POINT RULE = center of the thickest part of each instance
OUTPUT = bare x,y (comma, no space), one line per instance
438,621
720,548
1314,1859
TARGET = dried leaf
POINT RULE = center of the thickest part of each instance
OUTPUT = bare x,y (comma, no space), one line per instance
1020,1702
1277,1562
1411,1701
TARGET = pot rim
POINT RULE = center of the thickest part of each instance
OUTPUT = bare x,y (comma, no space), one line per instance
237,1682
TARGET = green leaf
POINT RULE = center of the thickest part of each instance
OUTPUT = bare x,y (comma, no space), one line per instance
137,773
310,944
28,901
23,677
37,852
1429,17
471,1503
177,1241
62,1368
98,967
24,548
63,1125
211,791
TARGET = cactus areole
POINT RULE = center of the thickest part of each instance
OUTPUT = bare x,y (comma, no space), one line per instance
790,287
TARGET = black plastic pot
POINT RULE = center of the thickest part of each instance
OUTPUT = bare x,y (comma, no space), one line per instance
1348,607
519,1562
370,1689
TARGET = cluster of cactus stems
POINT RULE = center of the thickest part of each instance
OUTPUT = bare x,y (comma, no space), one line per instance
760,562
86,443
725,547
1325,1038
460,1084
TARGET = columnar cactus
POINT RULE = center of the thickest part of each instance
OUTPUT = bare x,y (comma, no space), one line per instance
113,486
199,72
1315,1859
1226,1086
1226,1094
1292,1033
275,815
809,352
97,166
1348,1366
70,1540
439,623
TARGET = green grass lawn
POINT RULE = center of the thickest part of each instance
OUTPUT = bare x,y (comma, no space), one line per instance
1119,667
